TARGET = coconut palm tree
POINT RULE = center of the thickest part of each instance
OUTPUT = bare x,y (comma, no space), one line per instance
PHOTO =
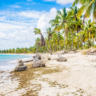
88,6
38,44
55,23
88,33
76,22
38,31
63,21
43,43
50,33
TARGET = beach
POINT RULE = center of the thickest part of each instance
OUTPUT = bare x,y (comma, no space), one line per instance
7,64
76,77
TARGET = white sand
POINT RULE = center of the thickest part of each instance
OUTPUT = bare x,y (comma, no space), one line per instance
78,78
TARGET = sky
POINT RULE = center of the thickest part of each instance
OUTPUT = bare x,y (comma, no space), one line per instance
18,18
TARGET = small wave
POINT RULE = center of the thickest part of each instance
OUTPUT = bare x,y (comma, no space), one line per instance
7,68
15,61
12,62
26,58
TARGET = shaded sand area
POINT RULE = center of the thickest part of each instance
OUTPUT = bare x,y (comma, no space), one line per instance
76,77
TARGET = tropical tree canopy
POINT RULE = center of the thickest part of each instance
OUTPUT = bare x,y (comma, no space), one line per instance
88,8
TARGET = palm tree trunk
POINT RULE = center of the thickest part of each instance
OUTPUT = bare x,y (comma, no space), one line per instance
90,39
84,19
59,42
81,40
46,45
67,41
93,40
72,40
36,49
77,41
50,47
64,41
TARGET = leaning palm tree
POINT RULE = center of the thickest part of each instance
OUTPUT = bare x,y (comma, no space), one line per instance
88,6
38,31
43,43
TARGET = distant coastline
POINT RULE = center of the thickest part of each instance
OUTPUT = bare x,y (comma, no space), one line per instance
18,53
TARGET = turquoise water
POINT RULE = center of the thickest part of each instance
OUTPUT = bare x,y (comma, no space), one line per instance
9,61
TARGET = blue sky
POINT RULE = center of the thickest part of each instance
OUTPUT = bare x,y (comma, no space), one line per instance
18,18
37,5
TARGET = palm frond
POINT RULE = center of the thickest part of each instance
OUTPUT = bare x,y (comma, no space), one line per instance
89,9
76,2
37,31
81,10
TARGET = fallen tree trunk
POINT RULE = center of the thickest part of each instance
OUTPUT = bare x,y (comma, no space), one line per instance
25,61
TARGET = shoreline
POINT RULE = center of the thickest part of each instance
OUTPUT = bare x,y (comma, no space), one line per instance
57,77
5,73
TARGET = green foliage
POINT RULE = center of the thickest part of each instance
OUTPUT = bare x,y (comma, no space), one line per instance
88,8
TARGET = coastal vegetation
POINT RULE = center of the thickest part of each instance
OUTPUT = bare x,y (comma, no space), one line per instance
70,30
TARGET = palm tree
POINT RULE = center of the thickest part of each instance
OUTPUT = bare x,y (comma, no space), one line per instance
63,21
88,33
43,43
75,21
55,23
38,44
49,32
88,6
38,31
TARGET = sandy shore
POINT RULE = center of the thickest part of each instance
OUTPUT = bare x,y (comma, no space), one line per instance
76,77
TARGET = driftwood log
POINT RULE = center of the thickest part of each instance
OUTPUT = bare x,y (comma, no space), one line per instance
37,62
26,61
37,56
61,58
20,66
20,62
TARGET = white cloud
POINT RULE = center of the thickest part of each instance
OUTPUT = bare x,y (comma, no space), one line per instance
67,9
43,21
31,14
62,2
15,6
10,26
19,38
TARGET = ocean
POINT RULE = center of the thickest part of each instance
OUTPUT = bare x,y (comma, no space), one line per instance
9,61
